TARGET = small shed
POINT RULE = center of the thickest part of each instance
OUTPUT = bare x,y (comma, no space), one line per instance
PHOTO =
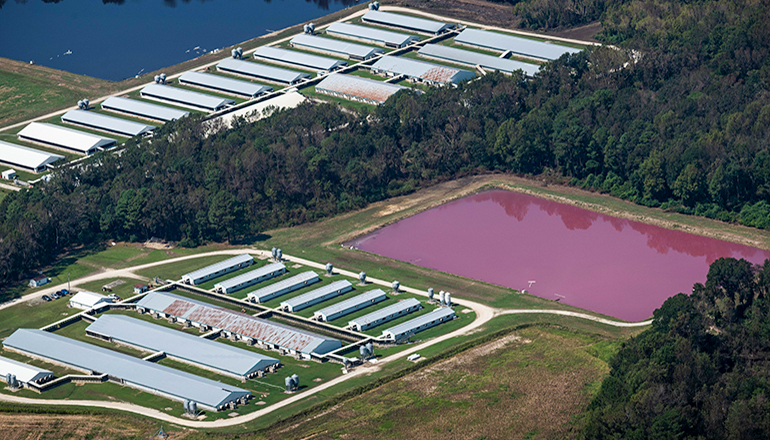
9,174
87,300
141,288
39,281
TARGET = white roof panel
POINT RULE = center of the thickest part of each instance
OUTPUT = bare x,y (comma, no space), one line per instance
422,70
517,45
371,34
305,278
186,97
300,300
329,45
365,320
406,21
224,84
84,143
26,157
412,324
360,87
216,267
87,298
22,371
258,70
251,275
474,58
366,298
112,124
143,109
298,58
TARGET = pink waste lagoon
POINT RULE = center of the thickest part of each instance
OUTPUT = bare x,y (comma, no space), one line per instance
606,264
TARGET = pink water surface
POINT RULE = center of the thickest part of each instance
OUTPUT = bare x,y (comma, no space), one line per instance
609,265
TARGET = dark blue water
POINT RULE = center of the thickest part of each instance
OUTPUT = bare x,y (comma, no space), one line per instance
118,39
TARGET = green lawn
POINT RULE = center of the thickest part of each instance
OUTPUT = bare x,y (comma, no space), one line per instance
33,314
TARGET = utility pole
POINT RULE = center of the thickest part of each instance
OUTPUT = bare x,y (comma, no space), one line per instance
68,282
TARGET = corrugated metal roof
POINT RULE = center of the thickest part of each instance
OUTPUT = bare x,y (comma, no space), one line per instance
277,268
396,308
239,323
133,370
517,45
298,58
23,372
406,21
475,58
298,302
371,34
360,87
143,109
422,70
202,272
412,324
261,71
26,157
329,45
107,123
84,143
186,97
289,284
349,305
179,344
225,84
88,299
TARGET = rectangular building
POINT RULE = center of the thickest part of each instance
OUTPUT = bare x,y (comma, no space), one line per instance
356,88
298,59
126,370
316,296
86,300
520,46
245,327
64,138
24,373
335,47
142,109
29,159
283,287
223,84
250,278
455,55
370,35
208,354
420,71
261,71
406,22
385,314
185,98
217,270
406,329
351,305
109,124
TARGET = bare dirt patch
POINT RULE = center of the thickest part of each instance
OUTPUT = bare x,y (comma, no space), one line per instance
53,427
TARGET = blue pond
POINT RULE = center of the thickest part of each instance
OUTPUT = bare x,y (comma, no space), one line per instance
118,39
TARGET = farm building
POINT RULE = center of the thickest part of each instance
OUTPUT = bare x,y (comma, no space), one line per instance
283,287
261,71
185,98
141,288
27,158
87,300
454,55
359,89
335,47
316,296
351,305
64,138
223,84
9,174
217,270
517,45
420,71
24,373
298,59
208,354
39,281
250,278
109,124
370,35
418,324
385,314
236,325
406,22
126,370
142,109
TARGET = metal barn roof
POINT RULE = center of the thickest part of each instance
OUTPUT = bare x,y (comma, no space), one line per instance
180,385
87,300
357,86
251,275
517,45
370,34
239,323
289,284
396,308
414,324
406,22
224,84
422,70
112,124
63,137
185,97
298,58
358,302
313,42
24,157
143,109
262,71
474,58
22,371
179,344
299,302
216,267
